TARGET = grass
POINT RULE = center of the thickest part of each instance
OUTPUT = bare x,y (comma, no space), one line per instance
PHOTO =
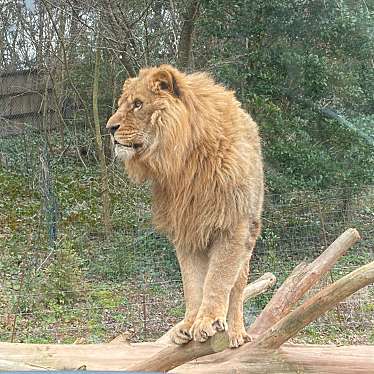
91,288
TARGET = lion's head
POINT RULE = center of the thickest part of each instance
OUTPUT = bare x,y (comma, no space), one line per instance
150,126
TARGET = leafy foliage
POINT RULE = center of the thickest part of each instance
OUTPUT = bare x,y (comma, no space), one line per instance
292,60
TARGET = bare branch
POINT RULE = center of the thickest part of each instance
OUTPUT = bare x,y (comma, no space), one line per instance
301,280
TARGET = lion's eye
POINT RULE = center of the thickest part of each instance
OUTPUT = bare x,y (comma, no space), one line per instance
137,104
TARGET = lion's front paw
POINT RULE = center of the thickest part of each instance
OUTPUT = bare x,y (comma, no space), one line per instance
205,327
180,333
238,338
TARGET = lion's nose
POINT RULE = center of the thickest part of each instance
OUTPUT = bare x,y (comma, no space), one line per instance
113,128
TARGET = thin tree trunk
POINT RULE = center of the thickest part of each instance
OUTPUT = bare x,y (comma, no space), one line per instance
99,147
61,81
40,39
186,36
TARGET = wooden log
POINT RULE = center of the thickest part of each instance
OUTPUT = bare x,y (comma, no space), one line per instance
175,355
7,365
321,359
281,302
252,290
103,357
302,279
293,358
259,286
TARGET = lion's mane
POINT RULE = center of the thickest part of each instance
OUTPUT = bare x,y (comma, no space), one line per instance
205,162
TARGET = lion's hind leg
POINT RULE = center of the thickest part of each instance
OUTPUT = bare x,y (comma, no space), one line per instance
236,329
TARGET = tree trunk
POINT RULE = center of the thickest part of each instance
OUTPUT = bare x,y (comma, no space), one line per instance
60,72
186,35
290,358
100,150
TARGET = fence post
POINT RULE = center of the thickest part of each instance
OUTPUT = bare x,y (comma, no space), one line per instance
49,202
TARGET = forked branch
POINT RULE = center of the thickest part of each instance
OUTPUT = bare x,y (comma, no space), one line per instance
302,279
317,305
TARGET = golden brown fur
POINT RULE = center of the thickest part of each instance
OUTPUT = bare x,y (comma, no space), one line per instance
190,137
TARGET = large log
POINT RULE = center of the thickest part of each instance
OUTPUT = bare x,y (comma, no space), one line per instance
19,356
290,358
114,357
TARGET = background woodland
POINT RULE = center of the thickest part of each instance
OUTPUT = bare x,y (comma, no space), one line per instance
78,255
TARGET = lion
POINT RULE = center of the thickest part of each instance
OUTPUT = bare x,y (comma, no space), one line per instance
190,137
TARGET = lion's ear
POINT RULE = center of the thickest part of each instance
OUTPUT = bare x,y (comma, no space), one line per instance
164,80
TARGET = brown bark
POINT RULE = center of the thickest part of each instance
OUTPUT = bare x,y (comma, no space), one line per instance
100,151
60,90
186,36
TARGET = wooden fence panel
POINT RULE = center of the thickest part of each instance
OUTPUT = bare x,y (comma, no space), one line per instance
17,82
24,99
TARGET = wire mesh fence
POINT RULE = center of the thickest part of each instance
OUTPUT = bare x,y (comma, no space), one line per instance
301,68
62,281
